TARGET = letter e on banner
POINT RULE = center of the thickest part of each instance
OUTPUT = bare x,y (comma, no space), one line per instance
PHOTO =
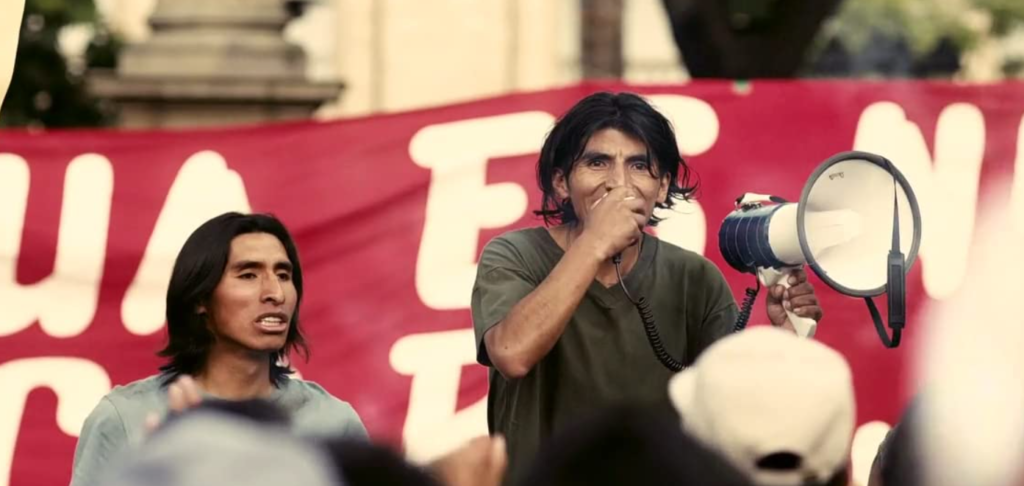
460,202
435,361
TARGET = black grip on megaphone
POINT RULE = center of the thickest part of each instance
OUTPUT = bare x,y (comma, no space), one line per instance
896,295
896,291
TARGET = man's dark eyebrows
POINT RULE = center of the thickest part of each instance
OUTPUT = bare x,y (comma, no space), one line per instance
246,265
594,155
255,265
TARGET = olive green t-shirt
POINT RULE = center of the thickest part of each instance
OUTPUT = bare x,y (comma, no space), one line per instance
603,357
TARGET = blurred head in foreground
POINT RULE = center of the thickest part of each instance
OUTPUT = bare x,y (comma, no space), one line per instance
970,368
779,407
629,445
210,446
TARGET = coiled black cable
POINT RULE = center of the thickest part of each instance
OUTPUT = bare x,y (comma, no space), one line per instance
647,317
747,307
654,338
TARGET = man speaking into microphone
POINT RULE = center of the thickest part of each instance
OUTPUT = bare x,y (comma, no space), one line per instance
560,336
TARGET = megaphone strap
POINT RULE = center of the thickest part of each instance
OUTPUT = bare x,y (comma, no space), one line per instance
897,328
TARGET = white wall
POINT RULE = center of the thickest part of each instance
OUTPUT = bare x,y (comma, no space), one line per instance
398,55
650,53
401,54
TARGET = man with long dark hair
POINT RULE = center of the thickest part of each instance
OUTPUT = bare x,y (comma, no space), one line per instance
551,322
232,320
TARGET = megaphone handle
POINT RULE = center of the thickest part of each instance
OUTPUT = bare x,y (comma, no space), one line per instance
805,326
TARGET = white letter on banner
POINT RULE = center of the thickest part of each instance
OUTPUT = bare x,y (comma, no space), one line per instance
696,128
946,186
65,302
78,383
205,187
460,202
435,361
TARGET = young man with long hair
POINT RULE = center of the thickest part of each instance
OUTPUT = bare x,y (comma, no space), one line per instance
232,321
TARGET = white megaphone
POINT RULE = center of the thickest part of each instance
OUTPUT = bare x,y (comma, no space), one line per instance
846,226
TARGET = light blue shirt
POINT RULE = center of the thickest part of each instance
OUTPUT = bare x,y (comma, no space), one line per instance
118,421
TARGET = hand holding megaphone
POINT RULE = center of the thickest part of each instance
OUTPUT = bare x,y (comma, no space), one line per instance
800,306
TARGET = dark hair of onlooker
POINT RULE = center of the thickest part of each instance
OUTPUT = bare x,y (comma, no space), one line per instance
362,464
629,445
898,462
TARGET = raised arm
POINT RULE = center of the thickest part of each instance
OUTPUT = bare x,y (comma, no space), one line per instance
533,325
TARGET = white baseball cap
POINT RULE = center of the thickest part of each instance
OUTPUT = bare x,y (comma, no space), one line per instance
765,394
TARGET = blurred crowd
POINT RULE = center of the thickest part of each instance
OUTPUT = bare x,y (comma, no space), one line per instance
762,407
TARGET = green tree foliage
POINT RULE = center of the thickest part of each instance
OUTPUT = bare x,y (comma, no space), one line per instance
44,92
922,23
1006,14
840,38
927,28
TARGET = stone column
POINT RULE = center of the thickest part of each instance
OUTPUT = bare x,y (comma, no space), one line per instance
601,39
211,63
